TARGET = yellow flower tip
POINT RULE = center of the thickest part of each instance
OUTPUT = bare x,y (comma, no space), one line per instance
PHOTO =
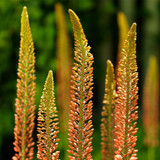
120,14
123,24
50,75
133,27
49,81
132,32
73,16
58,6
110,67
24,10
71,11
109,63
77,27
135,24
153,65
24,13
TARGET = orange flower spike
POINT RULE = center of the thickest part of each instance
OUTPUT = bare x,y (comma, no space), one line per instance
63,54
48,123
80,123
63,74
123,30
150,103
126,110
151,107
107,125
25,101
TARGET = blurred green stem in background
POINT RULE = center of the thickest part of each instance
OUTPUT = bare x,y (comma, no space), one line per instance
151,153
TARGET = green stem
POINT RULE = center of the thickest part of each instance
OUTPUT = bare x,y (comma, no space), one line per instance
64,141
110,121
151,153
24,126
81,100
127,107
47,128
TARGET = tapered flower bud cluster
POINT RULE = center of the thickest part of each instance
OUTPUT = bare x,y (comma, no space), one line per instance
150,103
123,30
25,101
107,121
63,54
126,103
80,123
48,123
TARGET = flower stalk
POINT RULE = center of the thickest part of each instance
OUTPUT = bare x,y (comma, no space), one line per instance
151,107
107,121
48,123
80,123
25,101
126,112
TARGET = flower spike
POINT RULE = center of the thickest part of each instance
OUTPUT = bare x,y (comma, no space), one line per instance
150,103
25,101
48,123
80,123
123,28
107,121
126,112
63,66
151,107
63,75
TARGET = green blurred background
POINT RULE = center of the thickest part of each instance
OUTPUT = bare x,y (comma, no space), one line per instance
99,20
